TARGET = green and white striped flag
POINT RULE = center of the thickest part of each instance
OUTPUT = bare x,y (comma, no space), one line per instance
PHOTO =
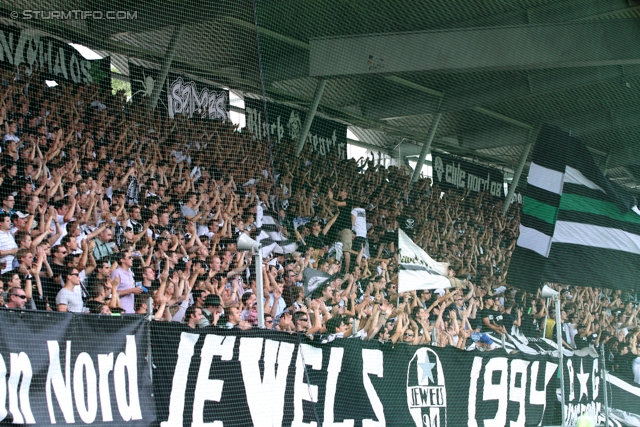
576,227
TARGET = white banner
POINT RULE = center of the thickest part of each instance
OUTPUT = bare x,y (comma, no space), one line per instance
417,270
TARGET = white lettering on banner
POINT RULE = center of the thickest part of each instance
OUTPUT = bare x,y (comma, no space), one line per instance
180,377
39,57
310,356
128,360
125,380
456,176
89,408
333,371
184,98
507,389
206,389
595,382
3,389
572,394
539,397
268,393
105,365
61,386
372,363
573,407
257,125
476,367
19,402
497,391
593,409
517,392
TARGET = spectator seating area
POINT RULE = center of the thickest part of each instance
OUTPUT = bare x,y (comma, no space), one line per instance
106,207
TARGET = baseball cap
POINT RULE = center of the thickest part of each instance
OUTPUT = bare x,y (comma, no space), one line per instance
20,215
484,339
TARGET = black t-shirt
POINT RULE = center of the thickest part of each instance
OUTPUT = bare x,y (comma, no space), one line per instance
582,342
507,321
316,242
58,271
137,268
529,326
344,218
495,317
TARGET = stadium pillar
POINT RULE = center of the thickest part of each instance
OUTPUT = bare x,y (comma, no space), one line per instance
166,64
426,147
312,112
516,178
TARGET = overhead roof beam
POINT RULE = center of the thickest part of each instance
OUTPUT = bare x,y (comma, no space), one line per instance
557,11
495,91
575,44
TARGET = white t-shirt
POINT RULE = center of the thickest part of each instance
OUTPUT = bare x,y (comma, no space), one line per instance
72,300
63,228
360,225
282,305
7,243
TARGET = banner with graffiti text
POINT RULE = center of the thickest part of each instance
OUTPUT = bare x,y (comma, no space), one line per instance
182,95
61,368
268,378
451,173
325,136
31,52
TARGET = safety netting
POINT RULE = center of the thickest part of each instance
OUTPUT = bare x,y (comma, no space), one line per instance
268,213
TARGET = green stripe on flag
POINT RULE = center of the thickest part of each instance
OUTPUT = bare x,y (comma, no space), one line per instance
542,211
574,202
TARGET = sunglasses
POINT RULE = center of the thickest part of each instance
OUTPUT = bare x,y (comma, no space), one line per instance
20,296
304,320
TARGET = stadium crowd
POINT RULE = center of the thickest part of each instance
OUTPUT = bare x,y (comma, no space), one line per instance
106,207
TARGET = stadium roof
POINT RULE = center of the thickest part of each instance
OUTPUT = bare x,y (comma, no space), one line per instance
496,69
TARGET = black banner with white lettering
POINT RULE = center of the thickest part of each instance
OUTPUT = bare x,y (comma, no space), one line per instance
325,136
52,58
451,173
182,95
61,368
259,378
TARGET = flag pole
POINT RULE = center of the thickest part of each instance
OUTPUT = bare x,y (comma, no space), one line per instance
560,355
604,385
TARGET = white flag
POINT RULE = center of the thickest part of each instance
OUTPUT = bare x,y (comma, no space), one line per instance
417,270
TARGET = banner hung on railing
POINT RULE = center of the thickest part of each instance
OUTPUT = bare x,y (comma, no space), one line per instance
259,378
182,95
451,173
60,369
29,51
325,136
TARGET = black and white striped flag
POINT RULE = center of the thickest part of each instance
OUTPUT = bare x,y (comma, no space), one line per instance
577,227
271,236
